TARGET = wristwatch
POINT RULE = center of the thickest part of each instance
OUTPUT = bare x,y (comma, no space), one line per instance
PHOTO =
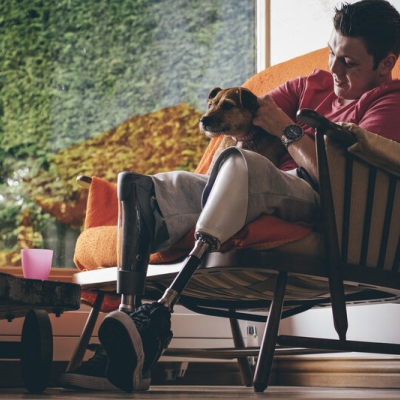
291,133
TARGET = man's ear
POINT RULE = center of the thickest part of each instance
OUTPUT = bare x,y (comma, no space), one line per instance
387,64
248,99
214,92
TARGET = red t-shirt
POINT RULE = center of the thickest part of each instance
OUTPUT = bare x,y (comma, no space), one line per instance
377,110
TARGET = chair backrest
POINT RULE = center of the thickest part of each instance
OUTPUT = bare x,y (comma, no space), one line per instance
367,210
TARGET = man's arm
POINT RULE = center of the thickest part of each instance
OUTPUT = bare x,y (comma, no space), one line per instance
273,119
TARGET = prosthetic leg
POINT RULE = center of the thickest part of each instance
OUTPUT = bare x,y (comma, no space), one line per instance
223,215
136,225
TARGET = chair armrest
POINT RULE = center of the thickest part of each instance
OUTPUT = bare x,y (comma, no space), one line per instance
334,131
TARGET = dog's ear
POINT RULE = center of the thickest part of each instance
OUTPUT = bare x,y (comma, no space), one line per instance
214,92
248,99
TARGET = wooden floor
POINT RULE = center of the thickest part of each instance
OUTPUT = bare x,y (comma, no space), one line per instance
211,392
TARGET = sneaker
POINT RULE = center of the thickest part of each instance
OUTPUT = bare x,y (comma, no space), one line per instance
134,343
91,375
153,321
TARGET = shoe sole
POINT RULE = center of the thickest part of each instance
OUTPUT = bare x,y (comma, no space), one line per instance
123,344
69,380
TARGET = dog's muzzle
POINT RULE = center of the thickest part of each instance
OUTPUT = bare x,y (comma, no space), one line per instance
205,121
205,126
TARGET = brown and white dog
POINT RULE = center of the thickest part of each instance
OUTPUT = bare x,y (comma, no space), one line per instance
230,113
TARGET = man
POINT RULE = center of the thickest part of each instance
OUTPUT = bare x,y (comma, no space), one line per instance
364,47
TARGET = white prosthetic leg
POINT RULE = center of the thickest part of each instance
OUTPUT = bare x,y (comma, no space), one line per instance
223,215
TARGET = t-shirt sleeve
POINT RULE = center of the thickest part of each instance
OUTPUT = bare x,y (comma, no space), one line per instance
287,96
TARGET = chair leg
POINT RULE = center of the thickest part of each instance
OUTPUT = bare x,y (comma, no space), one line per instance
244,365
266,355
87,332
339,310
331,240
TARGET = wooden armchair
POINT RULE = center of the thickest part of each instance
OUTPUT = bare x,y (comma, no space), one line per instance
357,261
353,258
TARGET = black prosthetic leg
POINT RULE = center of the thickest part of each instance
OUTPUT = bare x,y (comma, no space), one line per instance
135,236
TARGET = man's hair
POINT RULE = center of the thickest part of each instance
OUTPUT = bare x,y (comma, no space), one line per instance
376,22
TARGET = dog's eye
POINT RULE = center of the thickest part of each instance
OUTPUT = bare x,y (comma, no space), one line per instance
227,106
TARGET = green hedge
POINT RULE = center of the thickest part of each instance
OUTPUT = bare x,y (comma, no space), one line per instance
73,69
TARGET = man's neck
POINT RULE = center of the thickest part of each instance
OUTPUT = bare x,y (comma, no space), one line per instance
344,102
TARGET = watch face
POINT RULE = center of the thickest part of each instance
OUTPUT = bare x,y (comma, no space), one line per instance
293,132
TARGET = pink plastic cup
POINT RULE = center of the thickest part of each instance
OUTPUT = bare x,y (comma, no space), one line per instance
36,263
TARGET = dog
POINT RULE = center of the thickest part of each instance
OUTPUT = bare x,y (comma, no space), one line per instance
230,113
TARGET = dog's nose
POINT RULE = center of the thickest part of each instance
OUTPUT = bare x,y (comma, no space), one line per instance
205,121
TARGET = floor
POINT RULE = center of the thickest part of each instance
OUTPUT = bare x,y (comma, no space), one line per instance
211,392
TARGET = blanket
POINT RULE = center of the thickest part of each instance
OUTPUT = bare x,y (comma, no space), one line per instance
375,150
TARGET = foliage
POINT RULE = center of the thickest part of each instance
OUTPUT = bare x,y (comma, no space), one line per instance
73,69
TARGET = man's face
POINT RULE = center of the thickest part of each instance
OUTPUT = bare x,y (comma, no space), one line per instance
351,67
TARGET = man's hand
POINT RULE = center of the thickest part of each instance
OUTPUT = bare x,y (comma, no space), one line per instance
270,117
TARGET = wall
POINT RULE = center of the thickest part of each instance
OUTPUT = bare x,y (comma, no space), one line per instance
299,27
